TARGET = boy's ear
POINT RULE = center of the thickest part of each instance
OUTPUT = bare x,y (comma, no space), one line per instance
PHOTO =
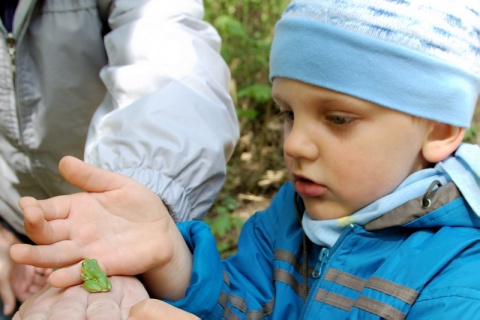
441,141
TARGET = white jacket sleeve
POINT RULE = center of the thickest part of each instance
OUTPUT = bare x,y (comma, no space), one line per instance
168,120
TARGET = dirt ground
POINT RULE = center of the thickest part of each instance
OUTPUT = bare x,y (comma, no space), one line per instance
251,204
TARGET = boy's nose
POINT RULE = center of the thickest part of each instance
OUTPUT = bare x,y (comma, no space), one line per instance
299,143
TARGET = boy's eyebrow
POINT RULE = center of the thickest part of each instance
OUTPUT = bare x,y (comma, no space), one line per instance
333,100
345,100
330,101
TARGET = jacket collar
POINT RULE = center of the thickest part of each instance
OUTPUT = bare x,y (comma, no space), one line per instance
414,214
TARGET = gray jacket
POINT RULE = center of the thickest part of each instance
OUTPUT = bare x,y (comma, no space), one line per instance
149,99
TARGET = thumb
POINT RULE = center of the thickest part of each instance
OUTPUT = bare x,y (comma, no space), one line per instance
66,277
88,177
150,309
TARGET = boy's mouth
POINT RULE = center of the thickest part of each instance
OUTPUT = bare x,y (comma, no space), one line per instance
308,188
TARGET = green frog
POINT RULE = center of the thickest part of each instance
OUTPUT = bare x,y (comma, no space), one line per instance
94,279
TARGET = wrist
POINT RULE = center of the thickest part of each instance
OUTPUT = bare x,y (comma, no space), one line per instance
170,281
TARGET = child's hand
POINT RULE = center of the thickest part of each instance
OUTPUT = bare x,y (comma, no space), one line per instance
118,221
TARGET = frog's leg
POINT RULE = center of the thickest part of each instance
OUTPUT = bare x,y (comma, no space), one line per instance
92,286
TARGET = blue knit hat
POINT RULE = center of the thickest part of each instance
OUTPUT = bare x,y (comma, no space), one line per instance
421,57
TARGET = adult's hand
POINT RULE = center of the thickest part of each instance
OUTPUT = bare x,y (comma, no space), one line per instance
75,303
6,267
17,282
152,309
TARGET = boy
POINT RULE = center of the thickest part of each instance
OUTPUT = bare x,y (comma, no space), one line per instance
381,218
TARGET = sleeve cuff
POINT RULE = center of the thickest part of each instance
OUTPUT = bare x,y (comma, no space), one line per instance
207,275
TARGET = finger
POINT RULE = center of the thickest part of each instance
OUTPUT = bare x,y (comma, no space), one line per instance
69,304
37,306
47,272
35,225
8,297
32,289
26,280
39,279
60,207
103,307
45,233
126,292
157,309
57,255
88,177
50,209
33,217
40,276
45,220
66,277
26,202
130,289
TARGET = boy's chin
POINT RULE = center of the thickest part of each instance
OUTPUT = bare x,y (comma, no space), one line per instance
325,211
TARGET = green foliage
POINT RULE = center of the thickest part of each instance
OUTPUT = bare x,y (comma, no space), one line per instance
471,134
224,221
258,92
246,28
224,225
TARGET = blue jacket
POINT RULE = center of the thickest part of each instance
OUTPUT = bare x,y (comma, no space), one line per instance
412,262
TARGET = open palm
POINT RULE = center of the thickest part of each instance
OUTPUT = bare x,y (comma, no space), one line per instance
115,220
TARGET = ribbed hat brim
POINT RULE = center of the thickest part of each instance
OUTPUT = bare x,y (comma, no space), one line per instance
374,70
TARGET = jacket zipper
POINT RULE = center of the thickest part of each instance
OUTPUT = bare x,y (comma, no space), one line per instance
23,15
11,43
11,48
325,253
322,260
11,37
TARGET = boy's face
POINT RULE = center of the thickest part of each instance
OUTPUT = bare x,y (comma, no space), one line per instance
342,152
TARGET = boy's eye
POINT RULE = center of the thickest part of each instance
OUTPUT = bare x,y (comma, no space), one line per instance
339,119
286,115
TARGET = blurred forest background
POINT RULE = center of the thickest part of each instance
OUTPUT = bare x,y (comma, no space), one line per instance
256,169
